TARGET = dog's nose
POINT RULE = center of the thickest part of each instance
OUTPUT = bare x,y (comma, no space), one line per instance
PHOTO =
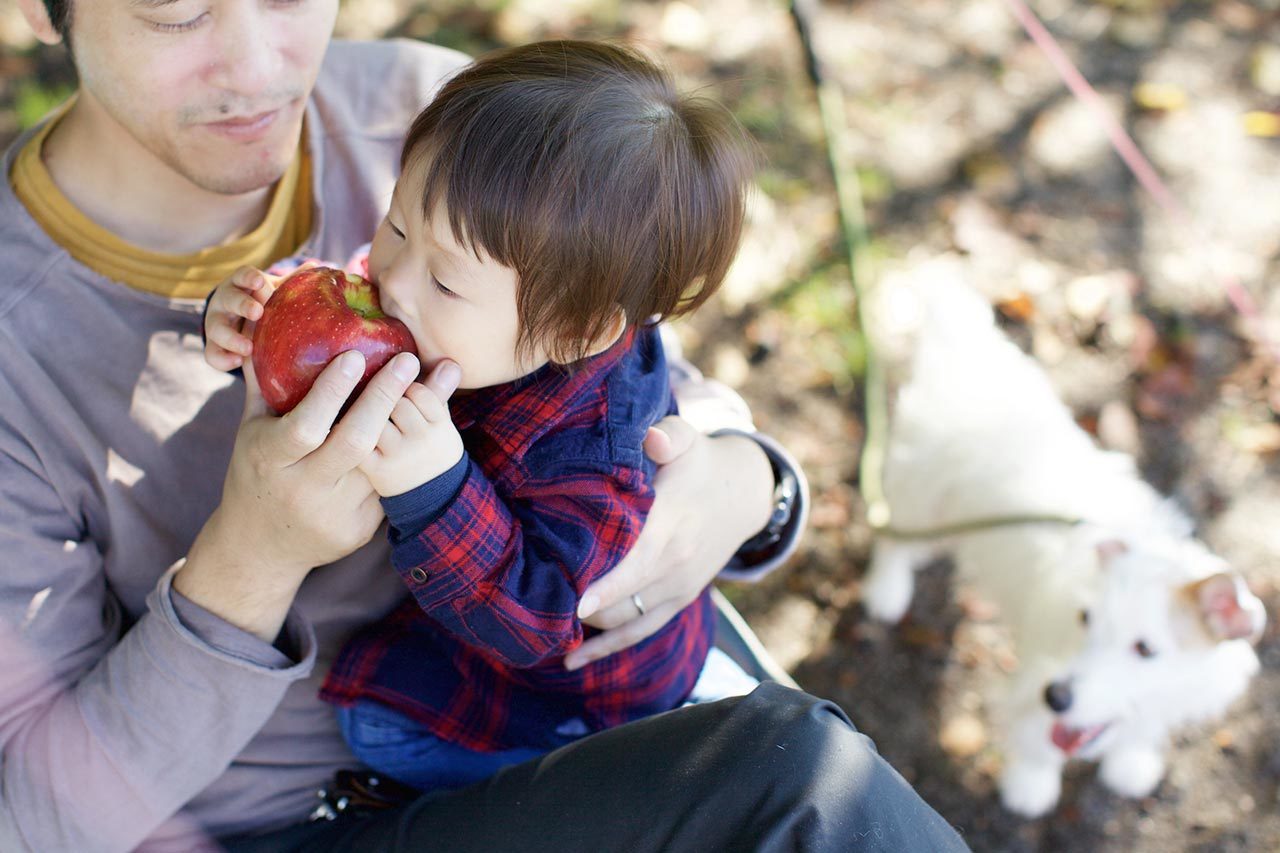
1058,696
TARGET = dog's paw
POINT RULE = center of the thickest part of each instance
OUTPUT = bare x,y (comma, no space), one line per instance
1133,771
1030,790
886,593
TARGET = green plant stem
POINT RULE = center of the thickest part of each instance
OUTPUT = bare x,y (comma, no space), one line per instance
853,223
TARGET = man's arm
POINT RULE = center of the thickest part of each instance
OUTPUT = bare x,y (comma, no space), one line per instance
107,731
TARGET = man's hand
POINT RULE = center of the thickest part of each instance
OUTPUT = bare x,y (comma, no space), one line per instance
294,497
419,442
712,495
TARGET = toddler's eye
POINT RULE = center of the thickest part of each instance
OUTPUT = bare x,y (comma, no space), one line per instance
1143,650
444,290
394,230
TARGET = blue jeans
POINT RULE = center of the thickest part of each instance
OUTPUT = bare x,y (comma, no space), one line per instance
390,742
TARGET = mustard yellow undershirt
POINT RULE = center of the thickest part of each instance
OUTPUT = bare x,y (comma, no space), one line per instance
280,234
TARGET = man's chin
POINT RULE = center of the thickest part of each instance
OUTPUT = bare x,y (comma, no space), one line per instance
229,169
239,182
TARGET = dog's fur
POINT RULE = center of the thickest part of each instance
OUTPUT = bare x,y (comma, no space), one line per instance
1138,627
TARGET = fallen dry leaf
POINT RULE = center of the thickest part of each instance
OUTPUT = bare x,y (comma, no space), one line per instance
1159,97
1018,307
963,736
923,636
1258,439
1259,123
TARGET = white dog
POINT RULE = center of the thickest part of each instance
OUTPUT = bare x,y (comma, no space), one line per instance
1125,626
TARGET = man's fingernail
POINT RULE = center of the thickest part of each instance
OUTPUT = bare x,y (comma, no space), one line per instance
351,363
450,375
405,367
588,605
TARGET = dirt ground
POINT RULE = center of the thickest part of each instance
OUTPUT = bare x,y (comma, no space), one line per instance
967,143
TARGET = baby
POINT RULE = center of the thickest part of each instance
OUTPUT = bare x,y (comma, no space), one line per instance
555,202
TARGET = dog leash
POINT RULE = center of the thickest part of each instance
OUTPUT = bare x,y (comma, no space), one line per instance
857,239
1141,167
973,526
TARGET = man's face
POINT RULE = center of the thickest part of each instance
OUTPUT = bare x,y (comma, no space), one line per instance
214,89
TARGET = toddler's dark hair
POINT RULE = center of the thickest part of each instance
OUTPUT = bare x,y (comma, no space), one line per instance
580,166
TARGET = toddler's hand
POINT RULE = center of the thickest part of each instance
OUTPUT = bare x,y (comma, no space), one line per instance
236,301
419,442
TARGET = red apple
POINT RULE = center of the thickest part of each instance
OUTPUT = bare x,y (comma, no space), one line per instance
313,316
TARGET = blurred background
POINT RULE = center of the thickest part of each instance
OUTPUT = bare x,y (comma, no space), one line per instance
967,144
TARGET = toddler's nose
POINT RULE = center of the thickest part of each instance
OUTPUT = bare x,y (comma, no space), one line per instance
1058,696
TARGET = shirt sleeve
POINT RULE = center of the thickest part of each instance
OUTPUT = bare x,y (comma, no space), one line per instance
417,508
506,577
107,728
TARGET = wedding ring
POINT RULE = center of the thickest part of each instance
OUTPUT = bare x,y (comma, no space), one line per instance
635,599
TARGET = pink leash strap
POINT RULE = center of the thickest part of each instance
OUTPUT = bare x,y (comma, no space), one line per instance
1137,162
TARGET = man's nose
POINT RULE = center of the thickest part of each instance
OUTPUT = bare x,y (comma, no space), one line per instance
249,60
1058,696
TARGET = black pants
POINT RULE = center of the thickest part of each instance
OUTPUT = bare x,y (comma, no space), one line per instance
776,770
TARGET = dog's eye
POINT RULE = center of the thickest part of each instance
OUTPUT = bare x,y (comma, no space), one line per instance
1084,617
1143,650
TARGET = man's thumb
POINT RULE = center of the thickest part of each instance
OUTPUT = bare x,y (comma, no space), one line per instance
254,404
669,439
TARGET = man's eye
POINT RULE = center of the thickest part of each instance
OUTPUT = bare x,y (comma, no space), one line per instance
179,28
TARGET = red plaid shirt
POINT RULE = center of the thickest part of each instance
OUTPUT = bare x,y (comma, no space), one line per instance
551,494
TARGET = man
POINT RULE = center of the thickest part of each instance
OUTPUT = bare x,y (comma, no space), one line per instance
144,705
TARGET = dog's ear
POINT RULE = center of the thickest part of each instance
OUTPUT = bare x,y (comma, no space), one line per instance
1229,610
1109,549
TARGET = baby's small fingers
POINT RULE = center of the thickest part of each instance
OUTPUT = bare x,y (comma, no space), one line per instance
427,403
270,284
230,340
247,306
406,417
220,359
249,279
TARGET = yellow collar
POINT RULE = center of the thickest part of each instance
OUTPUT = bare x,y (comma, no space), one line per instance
282,231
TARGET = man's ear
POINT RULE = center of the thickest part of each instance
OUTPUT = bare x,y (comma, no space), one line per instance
1229,610
38,19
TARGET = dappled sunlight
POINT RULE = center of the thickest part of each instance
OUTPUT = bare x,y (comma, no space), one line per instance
975,160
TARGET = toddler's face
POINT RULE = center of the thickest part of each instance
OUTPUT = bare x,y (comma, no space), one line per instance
457,305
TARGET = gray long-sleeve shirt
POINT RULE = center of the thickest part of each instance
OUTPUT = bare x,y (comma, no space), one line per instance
116,710
129,716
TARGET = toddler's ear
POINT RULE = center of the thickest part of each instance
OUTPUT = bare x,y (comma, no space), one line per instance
1229,610
609,334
